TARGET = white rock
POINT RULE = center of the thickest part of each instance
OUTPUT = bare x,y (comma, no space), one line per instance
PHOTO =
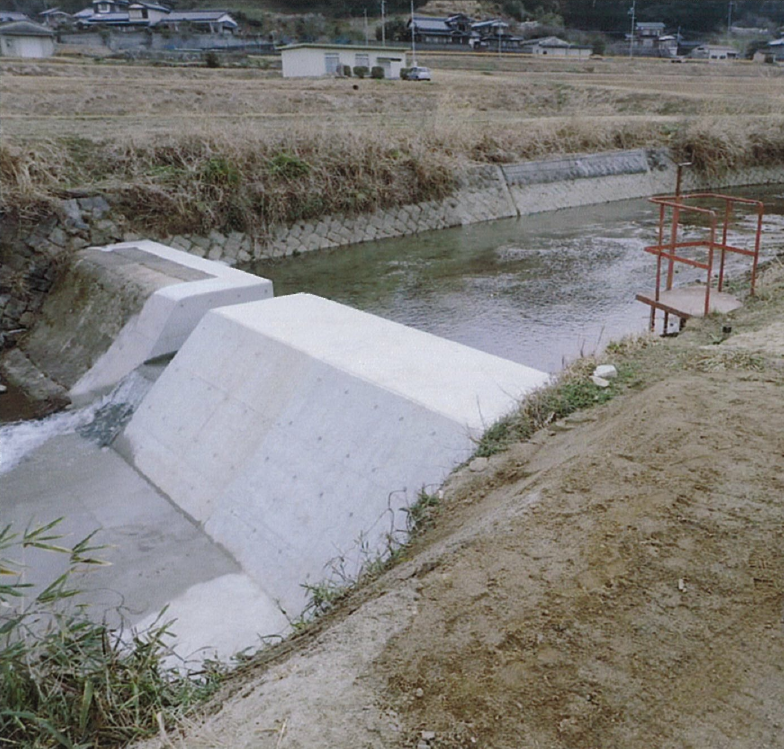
478,464
3,388
600,381
605,371
428,735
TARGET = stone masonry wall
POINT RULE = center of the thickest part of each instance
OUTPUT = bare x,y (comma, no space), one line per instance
29,263
482,195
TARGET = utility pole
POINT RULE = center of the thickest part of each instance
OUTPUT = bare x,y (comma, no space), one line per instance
413,36
633,14
729,19
367,33
383,23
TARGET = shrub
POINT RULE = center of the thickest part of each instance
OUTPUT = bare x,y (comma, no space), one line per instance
67,681
377,72
211,60
360,71
404,73
347,71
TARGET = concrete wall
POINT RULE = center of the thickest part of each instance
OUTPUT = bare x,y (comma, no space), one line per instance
121,305
121,41
26,46
326,424
304,61
482,195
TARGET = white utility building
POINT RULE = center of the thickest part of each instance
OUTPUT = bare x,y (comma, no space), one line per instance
314,60
26,39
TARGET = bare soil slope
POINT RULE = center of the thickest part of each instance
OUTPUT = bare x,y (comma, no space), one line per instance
617,581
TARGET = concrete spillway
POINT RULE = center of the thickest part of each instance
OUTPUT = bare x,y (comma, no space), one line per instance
289,432
296,427
123,304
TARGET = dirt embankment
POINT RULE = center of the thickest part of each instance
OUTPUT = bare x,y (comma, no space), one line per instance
616,581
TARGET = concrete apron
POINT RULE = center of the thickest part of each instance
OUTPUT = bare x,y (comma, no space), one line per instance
286,434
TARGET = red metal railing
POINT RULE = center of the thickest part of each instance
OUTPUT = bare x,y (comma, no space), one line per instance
668,250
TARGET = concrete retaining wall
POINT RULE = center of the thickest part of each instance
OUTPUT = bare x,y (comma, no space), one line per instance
121,305
326,424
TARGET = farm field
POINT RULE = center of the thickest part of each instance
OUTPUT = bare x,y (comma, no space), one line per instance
470,92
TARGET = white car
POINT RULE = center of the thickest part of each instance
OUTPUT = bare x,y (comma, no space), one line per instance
418,74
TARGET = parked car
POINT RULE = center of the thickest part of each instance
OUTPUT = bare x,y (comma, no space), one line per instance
418,73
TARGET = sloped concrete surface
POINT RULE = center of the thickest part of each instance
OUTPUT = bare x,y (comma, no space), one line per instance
157,555
123,304
296,430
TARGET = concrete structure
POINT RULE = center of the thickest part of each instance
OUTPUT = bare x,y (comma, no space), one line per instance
158,557
26,39
303,60
714,53
327,424
138,300
552,46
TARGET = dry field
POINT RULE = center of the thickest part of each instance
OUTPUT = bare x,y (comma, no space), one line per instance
470,93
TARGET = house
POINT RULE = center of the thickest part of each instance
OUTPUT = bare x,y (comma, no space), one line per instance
134,15
714,53
772,52
316,60
668,45
207,21
26,39
454,29
552,46
494,35
55,18
647,34
9,16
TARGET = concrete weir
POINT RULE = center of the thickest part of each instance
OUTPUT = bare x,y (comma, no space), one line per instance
124,304
296,429
283,435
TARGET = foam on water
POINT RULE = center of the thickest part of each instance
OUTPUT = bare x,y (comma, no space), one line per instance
98,421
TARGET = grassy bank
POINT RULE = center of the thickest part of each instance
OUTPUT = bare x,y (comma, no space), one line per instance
244,182
194,149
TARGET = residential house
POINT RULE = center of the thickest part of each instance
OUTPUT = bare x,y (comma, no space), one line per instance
317,60
494,35
55,18
9,16
772,52
26,39
122,14
552,46
454,29
647,34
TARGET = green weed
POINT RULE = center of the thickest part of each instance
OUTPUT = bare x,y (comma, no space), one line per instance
67,681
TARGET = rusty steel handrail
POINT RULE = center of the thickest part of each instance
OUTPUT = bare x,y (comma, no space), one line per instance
660,249
729,202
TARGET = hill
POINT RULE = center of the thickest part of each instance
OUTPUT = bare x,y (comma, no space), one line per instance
609,16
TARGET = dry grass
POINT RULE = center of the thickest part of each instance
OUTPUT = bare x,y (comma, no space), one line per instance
191,148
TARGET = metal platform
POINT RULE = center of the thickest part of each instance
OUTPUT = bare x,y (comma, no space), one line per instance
689,301
699,209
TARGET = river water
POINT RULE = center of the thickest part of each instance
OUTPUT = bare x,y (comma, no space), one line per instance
540,290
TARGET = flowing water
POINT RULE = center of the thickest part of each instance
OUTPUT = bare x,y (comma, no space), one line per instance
540,290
